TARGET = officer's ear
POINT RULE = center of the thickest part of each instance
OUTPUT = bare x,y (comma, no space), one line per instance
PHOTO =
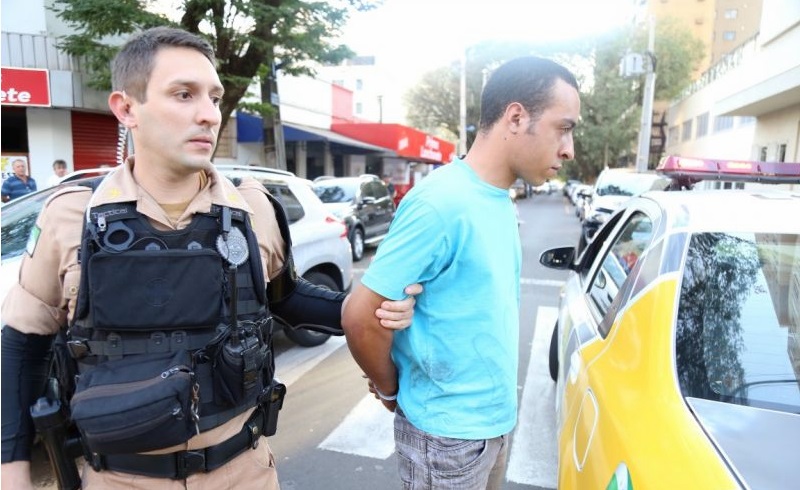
120,104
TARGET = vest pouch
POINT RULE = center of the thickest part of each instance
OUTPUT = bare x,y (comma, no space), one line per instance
136,404
144,290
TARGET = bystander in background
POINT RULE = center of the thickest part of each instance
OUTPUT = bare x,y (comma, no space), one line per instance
18,184
59,171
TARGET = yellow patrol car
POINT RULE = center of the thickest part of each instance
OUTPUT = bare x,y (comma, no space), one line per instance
676,351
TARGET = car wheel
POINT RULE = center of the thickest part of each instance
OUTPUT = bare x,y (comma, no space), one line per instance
553,364
309,338
357,244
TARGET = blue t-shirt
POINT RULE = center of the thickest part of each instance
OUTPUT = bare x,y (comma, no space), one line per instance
456,235
14,187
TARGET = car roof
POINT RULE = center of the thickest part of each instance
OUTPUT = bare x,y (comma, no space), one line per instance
763,210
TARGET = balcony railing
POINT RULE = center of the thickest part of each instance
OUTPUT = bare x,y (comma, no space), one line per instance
723,66
35,51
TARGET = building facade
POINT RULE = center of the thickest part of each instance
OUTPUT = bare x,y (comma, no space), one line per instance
747,106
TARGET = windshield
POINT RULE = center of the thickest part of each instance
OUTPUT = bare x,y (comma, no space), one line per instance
738,330
629,184
18,218
339,191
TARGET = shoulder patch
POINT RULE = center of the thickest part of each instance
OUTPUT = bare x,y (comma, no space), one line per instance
33,239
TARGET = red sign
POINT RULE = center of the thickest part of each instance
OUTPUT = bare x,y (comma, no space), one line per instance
405,141
25,86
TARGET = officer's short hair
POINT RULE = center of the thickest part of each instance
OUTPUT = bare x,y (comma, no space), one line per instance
527,80
133,65
59,163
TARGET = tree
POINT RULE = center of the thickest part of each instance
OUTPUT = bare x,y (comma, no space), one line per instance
251,38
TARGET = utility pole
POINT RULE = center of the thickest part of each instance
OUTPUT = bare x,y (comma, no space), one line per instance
643,153
274,143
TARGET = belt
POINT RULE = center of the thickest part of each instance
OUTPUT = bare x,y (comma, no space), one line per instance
179,465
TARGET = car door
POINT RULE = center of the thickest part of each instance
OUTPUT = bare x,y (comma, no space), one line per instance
608,271
384,206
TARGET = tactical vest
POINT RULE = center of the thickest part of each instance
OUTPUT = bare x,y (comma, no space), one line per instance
172,333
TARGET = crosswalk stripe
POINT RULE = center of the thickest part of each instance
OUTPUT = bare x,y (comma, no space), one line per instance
367,430
533,456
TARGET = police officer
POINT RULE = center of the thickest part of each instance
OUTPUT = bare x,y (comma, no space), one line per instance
164,268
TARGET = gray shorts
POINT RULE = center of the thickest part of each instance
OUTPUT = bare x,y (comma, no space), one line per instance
427,462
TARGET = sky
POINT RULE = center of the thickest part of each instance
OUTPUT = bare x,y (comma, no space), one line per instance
421,34
411,37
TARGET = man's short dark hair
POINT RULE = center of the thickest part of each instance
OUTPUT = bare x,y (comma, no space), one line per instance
527,80
131,68
59,163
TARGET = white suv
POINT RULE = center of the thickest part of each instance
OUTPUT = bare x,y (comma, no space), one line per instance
320,247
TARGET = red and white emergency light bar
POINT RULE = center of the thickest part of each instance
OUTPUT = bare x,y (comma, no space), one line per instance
687,171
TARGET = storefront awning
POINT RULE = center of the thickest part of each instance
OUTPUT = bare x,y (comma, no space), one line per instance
250,129
339,143
407,142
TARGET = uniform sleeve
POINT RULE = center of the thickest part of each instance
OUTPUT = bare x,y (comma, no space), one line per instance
49,275
265,226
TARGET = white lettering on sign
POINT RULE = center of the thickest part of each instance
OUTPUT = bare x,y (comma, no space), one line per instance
12,95
430,154
431,142
402,144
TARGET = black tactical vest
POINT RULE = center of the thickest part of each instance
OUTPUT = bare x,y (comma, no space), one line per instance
187,303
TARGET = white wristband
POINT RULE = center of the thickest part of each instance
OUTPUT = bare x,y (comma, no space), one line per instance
385,397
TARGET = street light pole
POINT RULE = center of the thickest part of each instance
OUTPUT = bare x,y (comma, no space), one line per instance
643,153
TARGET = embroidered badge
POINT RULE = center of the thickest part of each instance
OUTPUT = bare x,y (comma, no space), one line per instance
33,239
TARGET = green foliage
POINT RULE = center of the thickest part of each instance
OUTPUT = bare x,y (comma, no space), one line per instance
250,37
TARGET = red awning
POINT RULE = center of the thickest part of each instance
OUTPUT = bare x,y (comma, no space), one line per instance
406,142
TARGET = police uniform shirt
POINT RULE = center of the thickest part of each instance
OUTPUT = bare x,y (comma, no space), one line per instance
44,300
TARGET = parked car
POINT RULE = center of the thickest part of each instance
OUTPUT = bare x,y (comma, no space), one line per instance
363,203
676,351
319,243
612,189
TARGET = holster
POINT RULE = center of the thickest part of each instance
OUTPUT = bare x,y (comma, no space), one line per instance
271,402
60,440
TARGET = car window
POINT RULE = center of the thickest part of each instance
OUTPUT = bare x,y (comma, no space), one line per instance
620,258
18,219
738,324
335,191
629,184
378,190
294,210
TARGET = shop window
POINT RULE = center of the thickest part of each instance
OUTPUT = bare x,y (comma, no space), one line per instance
721,123
686,130
702,125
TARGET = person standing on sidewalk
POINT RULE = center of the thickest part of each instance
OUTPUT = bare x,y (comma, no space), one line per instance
19,183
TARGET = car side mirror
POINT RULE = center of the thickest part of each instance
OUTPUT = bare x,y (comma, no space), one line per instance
558,258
